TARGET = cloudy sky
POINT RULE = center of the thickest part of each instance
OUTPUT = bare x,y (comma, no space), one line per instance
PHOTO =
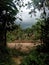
27,19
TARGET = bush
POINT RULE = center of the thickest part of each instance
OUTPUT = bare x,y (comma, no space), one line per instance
35,58
5,57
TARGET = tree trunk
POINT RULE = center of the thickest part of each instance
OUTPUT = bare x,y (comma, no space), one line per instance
3,37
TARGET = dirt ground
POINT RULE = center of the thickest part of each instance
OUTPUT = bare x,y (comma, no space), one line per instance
23,46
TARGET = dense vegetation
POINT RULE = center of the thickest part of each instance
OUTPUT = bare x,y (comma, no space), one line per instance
39,56
8,10
36,57
33,33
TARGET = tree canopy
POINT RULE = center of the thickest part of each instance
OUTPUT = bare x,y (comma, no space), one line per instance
8,10
45,16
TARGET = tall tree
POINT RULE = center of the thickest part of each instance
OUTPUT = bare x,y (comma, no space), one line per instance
8,10
44,28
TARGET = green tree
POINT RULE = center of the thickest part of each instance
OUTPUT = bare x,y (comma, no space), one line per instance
44,28
37,29
8,10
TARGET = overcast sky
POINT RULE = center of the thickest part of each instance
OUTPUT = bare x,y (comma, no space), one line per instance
27,20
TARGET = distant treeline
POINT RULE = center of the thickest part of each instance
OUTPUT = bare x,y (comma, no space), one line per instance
17,33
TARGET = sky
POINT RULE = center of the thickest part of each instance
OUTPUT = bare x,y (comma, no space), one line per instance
27,19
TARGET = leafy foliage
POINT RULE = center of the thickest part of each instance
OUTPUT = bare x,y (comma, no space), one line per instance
7,12
33,33
5,58
36,58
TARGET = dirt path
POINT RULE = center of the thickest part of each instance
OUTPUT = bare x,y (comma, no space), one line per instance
22,46
17,60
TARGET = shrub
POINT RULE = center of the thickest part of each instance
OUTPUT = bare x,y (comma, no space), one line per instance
5,57
35,58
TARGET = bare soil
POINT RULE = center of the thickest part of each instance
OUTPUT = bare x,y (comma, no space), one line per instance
17,60
23,46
